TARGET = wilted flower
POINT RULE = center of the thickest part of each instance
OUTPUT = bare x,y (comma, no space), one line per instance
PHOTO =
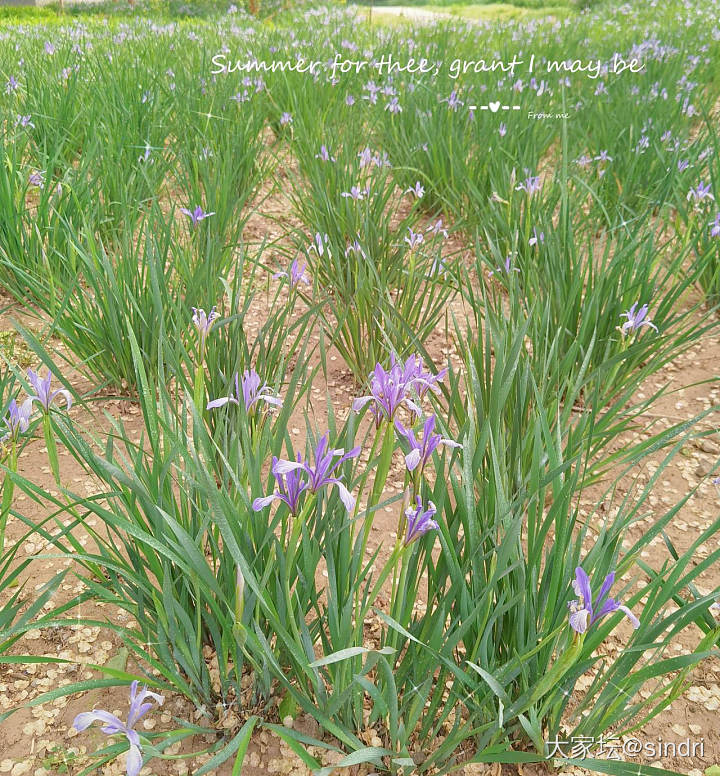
636,319
43,395
290,486
196,215
584,612
320,474
17,420
114,726
297,274
421,451
250,391
419,521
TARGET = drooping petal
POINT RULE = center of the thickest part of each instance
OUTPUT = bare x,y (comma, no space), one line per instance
633,619
262,501
111,724
412,459
281,466
211,405
579,620
134,761
359,403
346,497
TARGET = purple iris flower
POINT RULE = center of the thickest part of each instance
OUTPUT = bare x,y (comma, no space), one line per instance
420,451
203,323
321,473
114,726
537,238
12,85
636,318
250,390
502,129
585,612
438,229
17,420
324,155
394,106
43,394
682,165
419,521
296,275
507,268
414,239
25,121
350,100
356,193
701,192
418,190
290,487
530,185
285,119
196,215
603,157
453,101
37,179
715,231
320,244
391,389
355,248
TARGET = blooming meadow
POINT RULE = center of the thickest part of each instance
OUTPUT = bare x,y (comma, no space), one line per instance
344,418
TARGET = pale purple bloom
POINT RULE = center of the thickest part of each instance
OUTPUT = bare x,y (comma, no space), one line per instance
394,106
324,155
414,239
502,129
419,521
12,85
49,48
418,190
421,451
585,612
203,323
365,156
320,244
17,420
355,248
453,101
507,268
715,231
43,395
290,487
537,238
356,193
321,473
530,185
682,165
196,215
285,119
114,726
391,389
37,178
700,193
603,157
24,121
350,100
249,390
437,229
583,161
297,274
636,318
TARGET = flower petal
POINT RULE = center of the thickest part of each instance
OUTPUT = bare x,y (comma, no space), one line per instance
134,761
111,724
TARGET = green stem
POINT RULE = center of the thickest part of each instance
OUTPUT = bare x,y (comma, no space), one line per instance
7,496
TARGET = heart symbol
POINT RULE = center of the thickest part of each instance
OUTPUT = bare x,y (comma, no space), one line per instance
494,106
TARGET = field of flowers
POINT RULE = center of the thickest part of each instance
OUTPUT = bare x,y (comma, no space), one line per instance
359,387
